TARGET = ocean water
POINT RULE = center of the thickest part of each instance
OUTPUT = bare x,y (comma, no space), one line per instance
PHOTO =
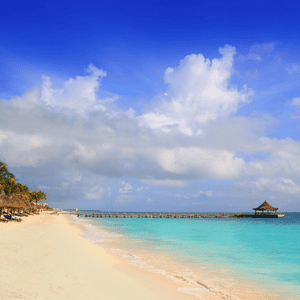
236,258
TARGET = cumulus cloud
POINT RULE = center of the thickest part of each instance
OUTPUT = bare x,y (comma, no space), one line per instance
198,92
126,188
76,94
189,134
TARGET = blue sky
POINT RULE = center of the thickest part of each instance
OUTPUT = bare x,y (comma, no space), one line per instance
158,106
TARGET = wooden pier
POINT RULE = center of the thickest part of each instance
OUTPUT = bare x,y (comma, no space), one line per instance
154,215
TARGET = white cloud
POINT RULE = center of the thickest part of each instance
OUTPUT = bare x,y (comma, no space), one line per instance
208,193
96,193
140,188
198,92
187,135
207,163
102,141
126,188
272,186
281,185
284,158
296,101
77,95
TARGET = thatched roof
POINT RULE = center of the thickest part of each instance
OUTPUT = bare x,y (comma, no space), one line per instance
18,201
265,206
27,203
8,202
2,203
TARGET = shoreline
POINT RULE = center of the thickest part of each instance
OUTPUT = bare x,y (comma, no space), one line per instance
48,256
44,257
229,286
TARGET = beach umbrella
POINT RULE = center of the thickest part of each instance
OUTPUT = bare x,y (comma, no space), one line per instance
6,201
19,204
9,202
28,205
12,202
2,204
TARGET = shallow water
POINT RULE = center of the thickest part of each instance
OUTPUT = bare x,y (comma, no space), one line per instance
259,257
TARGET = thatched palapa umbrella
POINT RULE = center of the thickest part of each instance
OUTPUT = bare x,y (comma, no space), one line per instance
265,206
19,204
2,204
9,202
28,205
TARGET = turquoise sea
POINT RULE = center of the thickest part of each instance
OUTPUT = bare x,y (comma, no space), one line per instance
238,258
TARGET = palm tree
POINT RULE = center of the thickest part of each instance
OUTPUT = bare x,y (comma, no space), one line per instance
11,187
37,196
4,173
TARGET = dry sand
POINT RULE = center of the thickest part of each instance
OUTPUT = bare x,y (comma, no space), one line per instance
44,257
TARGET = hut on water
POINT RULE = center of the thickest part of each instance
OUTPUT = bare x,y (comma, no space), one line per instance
265,207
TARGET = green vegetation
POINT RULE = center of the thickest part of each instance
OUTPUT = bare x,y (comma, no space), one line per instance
10,187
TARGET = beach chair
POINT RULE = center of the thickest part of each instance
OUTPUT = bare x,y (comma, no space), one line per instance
3,220
8,217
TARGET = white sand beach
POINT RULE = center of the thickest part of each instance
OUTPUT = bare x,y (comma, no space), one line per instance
44,257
